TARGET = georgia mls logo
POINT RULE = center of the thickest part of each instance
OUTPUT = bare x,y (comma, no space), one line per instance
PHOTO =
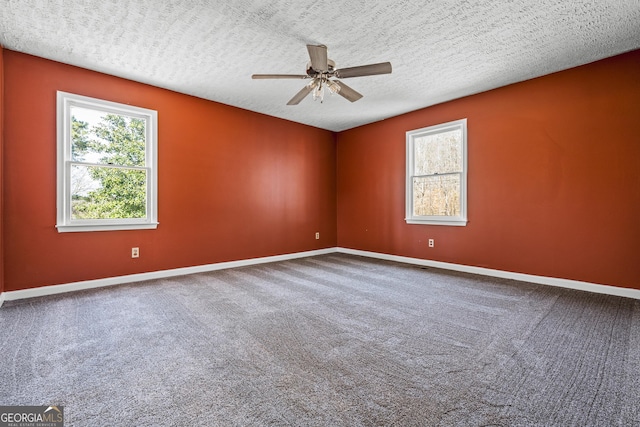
54,408
31,416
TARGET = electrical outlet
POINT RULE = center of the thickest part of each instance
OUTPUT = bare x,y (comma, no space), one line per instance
135,252
317,235
431,243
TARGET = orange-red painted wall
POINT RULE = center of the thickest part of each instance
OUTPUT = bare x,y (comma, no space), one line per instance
553,181
554,187
232,184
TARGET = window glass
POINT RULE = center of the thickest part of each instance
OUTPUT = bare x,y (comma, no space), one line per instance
438,153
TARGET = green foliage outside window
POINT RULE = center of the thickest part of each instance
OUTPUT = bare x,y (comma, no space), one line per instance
107,177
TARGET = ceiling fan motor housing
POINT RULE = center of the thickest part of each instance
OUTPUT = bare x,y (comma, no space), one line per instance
331,66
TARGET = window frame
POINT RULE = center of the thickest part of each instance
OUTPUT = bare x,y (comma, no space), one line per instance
64,223
411,136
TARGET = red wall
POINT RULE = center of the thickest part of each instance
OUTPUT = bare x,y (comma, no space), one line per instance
553,181
554,188
232,184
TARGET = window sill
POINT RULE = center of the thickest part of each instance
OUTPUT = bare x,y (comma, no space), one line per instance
104,227
453,222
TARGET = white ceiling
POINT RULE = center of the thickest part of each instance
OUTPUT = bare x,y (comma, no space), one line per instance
440,49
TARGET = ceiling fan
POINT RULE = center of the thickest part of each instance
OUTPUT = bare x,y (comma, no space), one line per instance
323,74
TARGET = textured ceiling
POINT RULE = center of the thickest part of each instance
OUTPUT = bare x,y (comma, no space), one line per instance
440,49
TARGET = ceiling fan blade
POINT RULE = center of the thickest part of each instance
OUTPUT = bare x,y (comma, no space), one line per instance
364,70
347,92
318,55
306,90
279,76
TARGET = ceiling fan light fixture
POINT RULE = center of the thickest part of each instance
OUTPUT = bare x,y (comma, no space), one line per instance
318,92
333,87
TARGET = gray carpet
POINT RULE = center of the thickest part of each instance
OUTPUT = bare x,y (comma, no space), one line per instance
333,340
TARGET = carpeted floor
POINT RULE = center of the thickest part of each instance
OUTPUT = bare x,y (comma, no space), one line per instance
333,340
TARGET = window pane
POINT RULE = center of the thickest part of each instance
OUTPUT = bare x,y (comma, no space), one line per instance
101,137
107,193
438,153
437,195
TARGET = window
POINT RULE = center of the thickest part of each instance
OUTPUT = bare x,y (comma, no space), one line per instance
437,174
107,160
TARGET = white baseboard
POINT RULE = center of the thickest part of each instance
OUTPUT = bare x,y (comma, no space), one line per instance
543,280
118,280
98,283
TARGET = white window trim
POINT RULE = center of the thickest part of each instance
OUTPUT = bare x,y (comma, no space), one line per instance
433,219
64,222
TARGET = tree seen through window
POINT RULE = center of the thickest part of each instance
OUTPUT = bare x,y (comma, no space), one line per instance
108,179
